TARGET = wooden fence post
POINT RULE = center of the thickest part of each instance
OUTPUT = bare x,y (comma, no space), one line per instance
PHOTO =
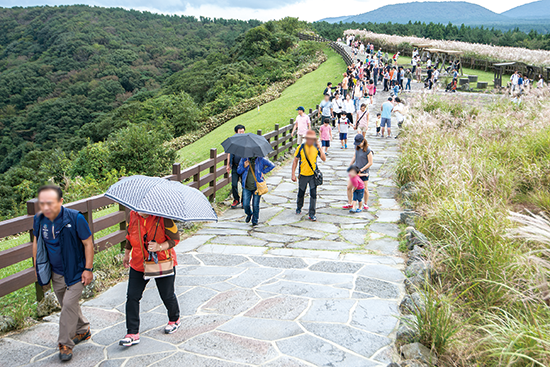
176,171
32,209
276,147
90,217
259,132
122,225
291,138
214,156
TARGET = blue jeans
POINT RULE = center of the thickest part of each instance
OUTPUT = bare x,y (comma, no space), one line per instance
255,212
408,85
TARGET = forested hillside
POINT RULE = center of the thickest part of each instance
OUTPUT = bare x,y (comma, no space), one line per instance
88,94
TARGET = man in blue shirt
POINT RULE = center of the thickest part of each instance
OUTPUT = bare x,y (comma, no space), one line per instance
387,108
63,253
325,108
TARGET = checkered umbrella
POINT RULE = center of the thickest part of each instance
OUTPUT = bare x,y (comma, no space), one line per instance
162,197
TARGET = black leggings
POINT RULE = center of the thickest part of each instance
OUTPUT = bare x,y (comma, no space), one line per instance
136,286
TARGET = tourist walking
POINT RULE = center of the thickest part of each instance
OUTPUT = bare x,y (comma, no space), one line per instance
387,108
362,121
63,253
343,125
408,76
253,170
325,109
358,188
302,124
326,135
337,108
349,108
363,159
150,239
306,158
232,165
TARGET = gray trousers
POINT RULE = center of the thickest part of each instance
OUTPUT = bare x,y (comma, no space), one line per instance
71,319
303,181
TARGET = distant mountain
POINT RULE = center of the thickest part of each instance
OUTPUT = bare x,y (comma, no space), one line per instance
456,12
535,10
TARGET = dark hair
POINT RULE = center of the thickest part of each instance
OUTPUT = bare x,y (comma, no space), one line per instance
326,121
397,99
55,188
390,99
329,84
238,127
353,168
378,114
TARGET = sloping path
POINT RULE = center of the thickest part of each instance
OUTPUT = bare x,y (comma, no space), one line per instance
289,292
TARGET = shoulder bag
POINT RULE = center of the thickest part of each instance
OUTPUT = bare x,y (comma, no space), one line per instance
261,187
152,266
317,174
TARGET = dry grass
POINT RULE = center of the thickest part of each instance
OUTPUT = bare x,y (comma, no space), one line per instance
472,161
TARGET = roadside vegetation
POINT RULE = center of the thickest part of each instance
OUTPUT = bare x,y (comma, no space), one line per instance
471,162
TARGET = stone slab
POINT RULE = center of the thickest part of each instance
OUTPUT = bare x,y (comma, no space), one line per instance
376,316
329,310
279,308
191,281
320,353
389,229
361,342
318,226
221,232
231,347
322,245
336,267
254,277
191,243
279,262
374,259
221,260
383,272
391,204
232,302
262,329
238,240
287,216
305,290
188,359
229,249
190,301
376,287
357,237
388,216
111,298
308,276
305,253
87,354
208,270
291,231
286,362
385,245
272,237
16,353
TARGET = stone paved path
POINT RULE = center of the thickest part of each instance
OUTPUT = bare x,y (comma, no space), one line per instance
288,293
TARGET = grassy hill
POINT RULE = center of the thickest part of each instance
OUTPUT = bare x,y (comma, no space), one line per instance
535,10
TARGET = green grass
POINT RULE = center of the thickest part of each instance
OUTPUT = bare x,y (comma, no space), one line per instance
483,76
307,92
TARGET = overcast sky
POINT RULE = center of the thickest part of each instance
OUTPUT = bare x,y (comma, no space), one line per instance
310,10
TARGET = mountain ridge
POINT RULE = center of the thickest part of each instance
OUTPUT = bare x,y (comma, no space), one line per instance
455,12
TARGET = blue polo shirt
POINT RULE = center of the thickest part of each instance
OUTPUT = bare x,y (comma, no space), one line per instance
50,234
386,109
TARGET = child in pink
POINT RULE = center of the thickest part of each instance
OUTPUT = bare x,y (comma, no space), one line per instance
359,189
326,135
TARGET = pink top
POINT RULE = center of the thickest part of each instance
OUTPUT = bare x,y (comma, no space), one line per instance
326,132
370,88
302,122
357,182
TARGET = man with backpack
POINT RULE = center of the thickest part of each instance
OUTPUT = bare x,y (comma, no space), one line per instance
306,156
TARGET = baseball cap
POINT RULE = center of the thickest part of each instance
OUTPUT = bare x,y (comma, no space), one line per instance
300,109
358,139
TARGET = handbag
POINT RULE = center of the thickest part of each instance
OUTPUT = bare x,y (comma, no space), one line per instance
152,266
261,187
317,174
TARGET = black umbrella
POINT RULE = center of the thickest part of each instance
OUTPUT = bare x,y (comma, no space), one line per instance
247,145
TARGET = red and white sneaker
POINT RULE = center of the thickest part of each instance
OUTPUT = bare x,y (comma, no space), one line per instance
347,206
365,207
172,327
129,340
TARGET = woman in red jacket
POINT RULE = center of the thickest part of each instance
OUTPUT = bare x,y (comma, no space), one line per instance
154,235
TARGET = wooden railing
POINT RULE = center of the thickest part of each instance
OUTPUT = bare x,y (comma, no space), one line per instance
208,176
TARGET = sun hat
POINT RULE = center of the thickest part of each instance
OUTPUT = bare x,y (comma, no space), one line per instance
311,135
358,139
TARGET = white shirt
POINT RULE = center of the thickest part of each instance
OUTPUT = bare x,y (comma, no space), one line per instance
514,78
413,62
349,106
337,105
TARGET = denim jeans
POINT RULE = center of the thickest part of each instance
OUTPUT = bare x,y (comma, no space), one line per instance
255,212
408,85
